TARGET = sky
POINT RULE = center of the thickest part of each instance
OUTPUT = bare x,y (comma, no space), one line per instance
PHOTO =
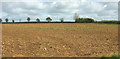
98,10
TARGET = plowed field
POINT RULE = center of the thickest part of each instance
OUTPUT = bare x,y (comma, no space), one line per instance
59,40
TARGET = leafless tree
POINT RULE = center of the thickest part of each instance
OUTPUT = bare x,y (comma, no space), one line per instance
76,17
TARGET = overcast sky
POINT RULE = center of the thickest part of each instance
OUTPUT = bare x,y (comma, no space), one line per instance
56,10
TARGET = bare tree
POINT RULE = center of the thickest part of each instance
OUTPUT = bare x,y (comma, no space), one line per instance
19,20
76,17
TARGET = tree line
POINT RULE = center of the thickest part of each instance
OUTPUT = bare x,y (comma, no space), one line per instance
28,19
90,20
76,18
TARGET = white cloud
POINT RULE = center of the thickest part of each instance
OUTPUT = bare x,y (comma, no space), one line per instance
56,10
0,10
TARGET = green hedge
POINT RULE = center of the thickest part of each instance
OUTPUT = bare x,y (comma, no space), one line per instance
108,21
90,20
112,57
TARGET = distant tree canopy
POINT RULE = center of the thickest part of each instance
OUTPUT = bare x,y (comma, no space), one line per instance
82,20
13,21
77,20
38,20
6,20
48,19
28,19
0,20
85,20
62,20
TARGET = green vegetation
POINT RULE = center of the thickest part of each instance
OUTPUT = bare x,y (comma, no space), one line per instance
108,21
28,19
85,20
76,18
62,20
0,20
6,20
13,21
48,19
105,23
38,20
112,57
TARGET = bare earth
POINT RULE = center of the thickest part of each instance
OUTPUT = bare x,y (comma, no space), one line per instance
59,40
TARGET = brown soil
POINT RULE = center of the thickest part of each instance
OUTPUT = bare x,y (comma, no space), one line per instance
59,40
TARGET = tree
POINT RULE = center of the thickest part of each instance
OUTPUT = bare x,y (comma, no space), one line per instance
85,20
81,20
38,20
28,19
0,20
6,20
48,19
89,20
76,17
13,21
62,20
19,20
